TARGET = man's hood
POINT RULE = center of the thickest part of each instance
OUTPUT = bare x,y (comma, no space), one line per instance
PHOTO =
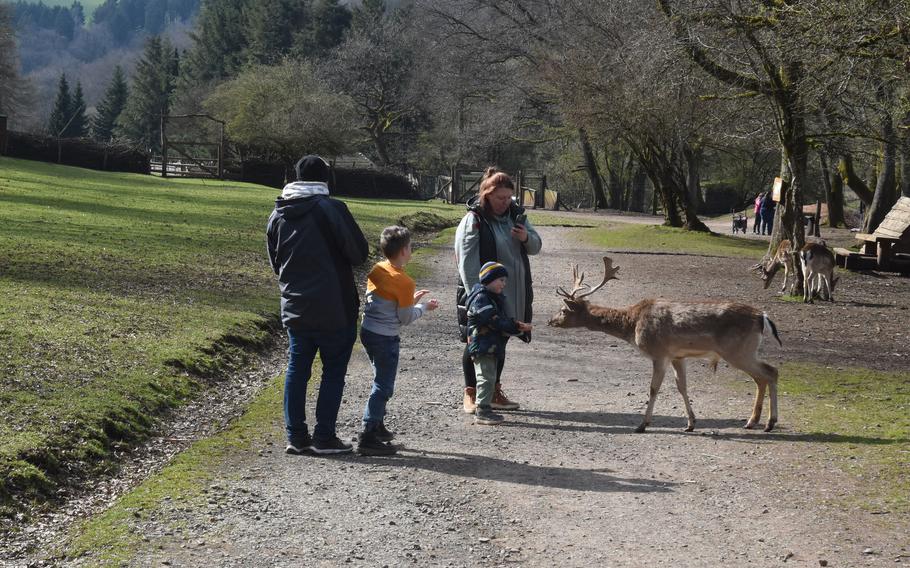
299,197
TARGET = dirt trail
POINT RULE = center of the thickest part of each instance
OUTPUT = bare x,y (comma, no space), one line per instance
565,481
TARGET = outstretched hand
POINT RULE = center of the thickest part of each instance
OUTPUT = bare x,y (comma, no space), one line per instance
524,327
420,294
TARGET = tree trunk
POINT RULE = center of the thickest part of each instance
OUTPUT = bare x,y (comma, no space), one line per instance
904,151
853,181
788,217
614,181
834,193
694,158
637,190
885,186
600,199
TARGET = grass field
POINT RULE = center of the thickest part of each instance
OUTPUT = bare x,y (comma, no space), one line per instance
110,285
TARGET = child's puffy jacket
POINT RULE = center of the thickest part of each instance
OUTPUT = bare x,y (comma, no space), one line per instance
487,326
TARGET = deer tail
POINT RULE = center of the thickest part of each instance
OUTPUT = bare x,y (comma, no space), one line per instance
770,324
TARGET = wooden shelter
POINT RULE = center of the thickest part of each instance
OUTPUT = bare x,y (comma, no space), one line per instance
888,248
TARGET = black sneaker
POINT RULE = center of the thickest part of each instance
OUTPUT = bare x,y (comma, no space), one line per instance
331,446
300,447
371,445
383,434
487,417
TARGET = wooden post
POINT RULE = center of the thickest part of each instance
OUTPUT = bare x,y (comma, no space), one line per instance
2,134
163,148
221,153
541,198
816,229
454,173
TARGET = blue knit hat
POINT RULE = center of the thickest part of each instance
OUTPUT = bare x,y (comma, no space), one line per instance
491,271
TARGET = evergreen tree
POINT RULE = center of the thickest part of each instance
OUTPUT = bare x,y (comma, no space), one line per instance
220,40
78,124
61,113
149,96
78,13
271,29
328,22
13,88
110,107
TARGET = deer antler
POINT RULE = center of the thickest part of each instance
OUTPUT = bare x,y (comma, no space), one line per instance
609,274
577,285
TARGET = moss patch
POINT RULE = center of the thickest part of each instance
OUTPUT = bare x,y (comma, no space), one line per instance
864,417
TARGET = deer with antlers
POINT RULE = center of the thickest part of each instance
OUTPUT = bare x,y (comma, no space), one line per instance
669,332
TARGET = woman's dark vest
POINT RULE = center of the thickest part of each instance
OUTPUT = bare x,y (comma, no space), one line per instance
488,254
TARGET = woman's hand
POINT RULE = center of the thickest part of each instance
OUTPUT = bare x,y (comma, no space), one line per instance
420,294
519,232
432,305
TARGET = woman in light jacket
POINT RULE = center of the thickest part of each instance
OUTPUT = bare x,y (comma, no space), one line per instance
496,229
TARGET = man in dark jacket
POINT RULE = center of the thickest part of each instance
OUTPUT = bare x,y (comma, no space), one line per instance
313,245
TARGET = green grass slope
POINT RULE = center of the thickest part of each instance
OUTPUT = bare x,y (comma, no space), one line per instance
121,295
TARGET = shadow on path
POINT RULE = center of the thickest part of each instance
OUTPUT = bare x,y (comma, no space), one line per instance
728,429
496,469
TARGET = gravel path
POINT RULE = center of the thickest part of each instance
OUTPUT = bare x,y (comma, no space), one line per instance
563,482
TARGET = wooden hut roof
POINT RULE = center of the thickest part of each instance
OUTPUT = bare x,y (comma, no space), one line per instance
897,222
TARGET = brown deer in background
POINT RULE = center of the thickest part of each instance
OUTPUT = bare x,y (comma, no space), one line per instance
781,258
816,269
669,332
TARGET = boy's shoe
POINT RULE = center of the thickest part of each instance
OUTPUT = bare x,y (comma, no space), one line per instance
470,400
487,417
331,446
371,445
383,434
301,447
501,401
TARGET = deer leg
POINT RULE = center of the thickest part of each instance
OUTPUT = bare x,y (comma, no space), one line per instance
679,368
786,277
807,293
765,377
760,386
657,377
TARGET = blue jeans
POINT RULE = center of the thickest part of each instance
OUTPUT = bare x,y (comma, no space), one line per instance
334,349
383,353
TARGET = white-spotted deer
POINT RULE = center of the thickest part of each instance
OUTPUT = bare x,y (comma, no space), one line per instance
669,332
818,271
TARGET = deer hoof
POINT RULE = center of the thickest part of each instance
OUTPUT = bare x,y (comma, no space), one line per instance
770,425
690,428
749,425
641,428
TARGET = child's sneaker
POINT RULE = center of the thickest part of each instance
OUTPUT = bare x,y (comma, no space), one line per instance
371,445
331,446
383,433
486,417
301,447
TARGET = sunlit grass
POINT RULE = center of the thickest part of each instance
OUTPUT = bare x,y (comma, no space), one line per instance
109,285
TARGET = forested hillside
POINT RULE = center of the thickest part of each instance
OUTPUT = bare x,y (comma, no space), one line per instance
681,107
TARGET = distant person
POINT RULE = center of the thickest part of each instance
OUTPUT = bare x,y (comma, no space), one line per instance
767,213
756,225
313,245
495,228
391,301
488,330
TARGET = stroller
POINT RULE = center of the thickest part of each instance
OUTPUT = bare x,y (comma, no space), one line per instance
740,222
